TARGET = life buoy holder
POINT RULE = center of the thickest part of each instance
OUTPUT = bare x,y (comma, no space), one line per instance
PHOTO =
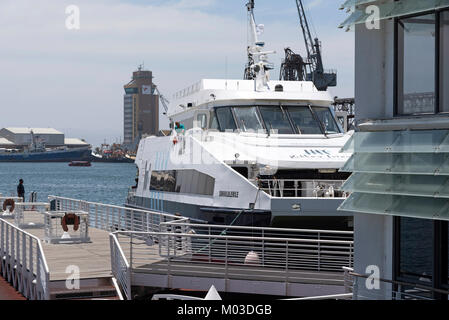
10,203
70,219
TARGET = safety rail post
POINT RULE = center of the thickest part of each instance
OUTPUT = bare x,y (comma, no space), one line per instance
226,263
355,289
286,262
319,251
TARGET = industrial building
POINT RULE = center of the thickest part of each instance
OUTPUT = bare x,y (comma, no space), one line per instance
18,138
141,108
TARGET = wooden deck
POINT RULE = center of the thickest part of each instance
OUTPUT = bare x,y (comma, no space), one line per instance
93,258
152,270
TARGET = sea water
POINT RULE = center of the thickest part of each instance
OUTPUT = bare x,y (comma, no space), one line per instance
102,182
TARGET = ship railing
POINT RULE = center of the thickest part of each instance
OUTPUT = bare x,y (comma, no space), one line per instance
23,262
320,247
301,188
260,258
120,267
388,289
112,217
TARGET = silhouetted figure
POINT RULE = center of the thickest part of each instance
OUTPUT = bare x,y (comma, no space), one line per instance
21,190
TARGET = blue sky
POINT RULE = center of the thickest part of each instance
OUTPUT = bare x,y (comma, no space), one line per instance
73,80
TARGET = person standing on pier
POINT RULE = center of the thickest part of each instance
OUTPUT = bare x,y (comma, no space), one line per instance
21,190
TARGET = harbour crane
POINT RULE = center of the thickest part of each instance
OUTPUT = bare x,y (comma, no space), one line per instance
312,67
163,100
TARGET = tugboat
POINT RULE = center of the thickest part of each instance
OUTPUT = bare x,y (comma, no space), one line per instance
80,164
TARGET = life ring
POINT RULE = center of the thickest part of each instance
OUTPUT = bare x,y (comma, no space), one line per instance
70,219
10,203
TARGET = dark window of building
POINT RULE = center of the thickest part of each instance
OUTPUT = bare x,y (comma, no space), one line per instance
416,250
444,61
226,119
416,42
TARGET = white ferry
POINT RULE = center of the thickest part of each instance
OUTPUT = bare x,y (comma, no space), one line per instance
247,152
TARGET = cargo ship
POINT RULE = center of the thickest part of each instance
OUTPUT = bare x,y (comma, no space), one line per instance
37,152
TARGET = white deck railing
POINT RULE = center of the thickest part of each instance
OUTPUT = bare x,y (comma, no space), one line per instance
113,218
23,262
195,252
120,267
280,188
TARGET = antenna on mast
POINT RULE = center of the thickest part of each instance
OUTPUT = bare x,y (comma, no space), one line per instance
258,66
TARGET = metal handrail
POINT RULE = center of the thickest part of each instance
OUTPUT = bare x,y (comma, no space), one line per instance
230,255
25,268
249,228
120,266
112,217
277,187
356,275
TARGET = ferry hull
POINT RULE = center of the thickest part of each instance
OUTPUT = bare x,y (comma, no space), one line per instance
317,213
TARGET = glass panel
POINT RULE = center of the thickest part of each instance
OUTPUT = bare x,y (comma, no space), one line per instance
366,203
276,120
327,119
248,119
444,61
395,9
405,206
225,119
415,249
419,141
349,146
213,121
304,120
163,181
416,65
408,185
399,163
201,120
401,141
352,3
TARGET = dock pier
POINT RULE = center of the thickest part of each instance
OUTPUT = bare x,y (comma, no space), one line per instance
130,249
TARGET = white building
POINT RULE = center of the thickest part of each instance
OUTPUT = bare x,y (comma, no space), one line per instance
21,137
399,185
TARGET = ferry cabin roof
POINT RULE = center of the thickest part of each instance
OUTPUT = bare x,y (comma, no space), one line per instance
220,92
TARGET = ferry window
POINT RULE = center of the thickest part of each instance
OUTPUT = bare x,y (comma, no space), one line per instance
327,119
444,62
186,181
248,119
225,119
304,120
416,65
201,119
415,249
163,181
213,121
276,120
